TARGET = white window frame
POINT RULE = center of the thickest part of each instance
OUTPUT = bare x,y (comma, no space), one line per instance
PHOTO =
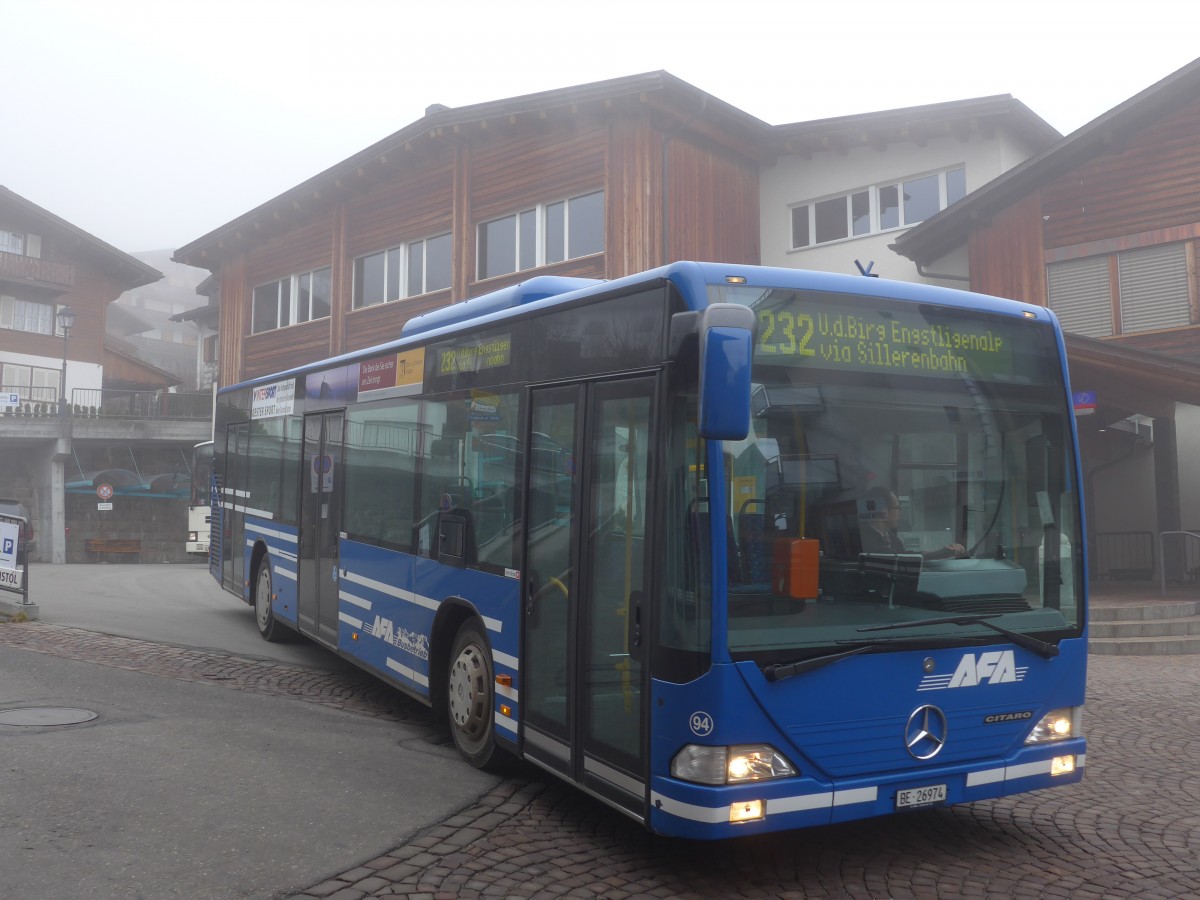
12,242
875,222
16,316
540,255
287,296
403,255
30,382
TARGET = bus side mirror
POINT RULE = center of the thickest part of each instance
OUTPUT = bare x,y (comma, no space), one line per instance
726,348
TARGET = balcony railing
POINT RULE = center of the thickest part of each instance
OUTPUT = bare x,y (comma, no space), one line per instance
108,404
33,269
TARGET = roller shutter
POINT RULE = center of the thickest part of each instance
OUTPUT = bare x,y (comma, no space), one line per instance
1154,288
1081,296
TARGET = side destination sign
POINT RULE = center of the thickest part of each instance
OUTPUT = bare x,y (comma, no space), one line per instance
892,338
394,375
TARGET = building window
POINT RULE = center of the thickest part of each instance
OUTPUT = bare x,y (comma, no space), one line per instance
212,347
292,300
12,242
1080,295
544,235
418,267
1153,288
876,208
27,315
1149,291
33,383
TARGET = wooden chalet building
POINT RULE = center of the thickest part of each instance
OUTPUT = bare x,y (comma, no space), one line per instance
1104,228
46,265
599,180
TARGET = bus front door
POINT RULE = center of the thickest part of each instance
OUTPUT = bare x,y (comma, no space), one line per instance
583,683
320,520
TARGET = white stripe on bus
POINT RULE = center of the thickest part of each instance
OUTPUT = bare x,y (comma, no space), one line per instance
410,674
350,620
398,593
507,723
250,511
508,693
505,659
410,597
355,601
271,532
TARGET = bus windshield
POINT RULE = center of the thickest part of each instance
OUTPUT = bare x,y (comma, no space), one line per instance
919,457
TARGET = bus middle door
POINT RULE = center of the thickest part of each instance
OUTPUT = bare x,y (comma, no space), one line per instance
320,521
583,684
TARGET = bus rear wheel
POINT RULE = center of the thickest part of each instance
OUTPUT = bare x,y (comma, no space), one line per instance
268,627
470,696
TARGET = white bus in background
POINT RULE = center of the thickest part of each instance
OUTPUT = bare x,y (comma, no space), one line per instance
199,507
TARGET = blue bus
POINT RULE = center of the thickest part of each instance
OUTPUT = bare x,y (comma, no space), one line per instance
732,549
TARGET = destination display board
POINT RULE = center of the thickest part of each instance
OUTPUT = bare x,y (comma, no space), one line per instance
472,355
825,332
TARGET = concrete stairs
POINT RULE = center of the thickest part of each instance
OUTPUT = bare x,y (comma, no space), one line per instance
1141,628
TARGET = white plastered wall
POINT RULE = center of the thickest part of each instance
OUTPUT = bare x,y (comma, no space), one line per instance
793,180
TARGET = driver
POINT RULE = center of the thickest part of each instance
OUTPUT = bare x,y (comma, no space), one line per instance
880,513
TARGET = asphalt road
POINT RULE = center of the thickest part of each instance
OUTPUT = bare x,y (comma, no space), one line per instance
173,604
181,787
215,774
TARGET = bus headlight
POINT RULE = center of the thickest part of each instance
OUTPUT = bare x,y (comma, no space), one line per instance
738,764
1057,725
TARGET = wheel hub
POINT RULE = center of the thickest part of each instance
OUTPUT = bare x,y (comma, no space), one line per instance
466,685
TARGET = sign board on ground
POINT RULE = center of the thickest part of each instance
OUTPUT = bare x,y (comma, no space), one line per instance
11,576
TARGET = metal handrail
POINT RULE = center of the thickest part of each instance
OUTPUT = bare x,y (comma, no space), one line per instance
1162,566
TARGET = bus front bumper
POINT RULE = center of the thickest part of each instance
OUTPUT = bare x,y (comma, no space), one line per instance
713,812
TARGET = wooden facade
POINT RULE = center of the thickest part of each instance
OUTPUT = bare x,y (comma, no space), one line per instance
1142,191
1113,212
73,269
678,171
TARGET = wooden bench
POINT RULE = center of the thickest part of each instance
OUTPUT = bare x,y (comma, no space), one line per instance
124,546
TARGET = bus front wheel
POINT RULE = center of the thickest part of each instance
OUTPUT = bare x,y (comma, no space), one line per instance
470,696
268,627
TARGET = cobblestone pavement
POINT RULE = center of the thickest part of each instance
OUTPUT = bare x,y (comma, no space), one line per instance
1131,829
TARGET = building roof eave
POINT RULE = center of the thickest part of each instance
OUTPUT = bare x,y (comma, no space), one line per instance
947,230
133,272
452,123
1170,377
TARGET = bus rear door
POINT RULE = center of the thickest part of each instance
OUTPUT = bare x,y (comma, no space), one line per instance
320,521
584,679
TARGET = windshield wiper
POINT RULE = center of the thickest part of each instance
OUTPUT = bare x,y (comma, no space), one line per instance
780,671
1042,648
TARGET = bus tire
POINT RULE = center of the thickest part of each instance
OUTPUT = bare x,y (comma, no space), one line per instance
269,629
470,696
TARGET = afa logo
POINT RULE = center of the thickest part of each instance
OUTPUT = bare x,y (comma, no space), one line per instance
408,641
993,667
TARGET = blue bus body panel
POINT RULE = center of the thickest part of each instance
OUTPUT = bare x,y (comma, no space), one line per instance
282,542
388,602
843,727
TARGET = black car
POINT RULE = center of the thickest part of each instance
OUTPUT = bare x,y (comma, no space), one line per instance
16,508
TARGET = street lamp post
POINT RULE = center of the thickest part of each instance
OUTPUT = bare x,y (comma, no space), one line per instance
66,319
